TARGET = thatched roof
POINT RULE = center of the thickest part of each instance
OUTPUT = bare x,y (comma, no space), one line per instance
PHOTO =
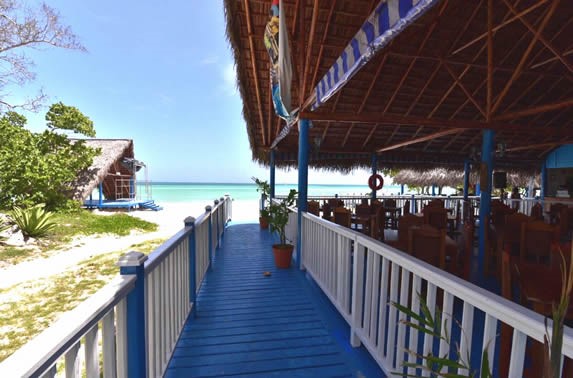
454,178
421,100
112,152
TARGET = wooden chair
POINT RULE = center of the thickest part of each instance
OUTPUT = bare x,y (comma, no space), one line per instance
313,207
436,217
463,263
391,215
537,212
342,216
326,211
434,203
428,244
538,241
404,224
555,212
377,225
363,211
374,206
406,208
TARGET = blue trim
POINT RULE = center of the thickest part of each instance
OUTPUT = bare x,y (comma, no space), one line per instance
466,179
402,189
561,157
303,146
485,199
272,178
413,205
433,189
368,30
136,358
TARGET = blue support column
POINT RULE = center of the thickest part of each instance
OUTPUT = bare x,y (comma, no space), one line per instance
478,189
433,190
402,189
466,179
272,178
374,164
210,243
100,201
413,205
303,126
190,222
133,263
485,199
543,181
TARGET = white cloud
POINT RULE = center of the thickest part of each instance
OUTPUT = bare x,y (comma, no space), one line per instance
210,60
229,79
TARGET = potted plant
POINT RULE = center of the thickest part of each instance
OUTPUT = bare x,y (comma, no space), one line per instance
264,188
279,214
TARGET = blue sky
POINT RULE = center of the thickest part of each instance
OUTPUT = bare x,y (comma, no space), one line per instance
162,74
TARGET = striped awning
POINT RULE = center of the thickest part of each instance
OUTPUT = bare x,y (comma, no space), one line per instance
388,19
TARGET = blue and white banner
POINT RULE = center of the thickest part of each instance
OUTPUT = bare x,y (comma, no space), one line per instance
388,19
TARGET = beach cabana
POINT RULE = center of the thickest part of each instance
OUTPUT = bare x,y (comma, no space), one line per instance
113,174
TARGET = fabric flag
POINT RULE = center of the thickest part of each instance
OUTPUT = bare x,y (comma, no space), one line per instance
277,45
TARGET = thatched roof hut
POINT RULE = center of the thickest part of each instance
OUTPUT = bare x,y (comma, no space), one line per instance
454,178
112,153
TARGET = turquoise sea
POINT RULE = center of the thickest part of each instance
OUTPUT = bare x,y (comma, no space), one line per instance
182,192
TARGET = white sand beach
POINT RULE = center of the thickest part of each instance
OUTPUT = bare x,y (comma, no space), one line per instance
170,220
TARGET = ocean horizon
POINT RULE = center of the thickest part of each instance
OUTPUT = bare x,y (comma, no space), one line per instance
193,191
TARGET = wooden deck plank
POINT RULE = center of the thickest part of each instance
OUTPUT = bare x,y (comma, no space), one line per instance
247,324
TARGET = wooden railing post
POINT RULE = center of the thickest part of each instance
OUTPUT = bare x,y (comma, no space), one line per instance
190,222
216,202
133,263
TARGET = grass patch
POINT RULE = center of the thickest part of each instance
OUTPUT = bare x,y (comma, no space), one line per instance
70,224
30,307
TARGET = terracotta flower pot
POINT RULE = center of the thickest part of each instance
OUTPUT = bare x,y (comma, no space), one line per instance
264,223
283,255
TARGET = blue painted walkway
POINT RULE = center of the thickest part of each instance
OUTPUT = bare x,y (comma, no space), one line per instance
247,324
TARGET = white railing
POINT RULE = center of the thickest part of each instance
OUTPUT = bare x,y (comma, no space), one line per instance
361,276
104,313
142,312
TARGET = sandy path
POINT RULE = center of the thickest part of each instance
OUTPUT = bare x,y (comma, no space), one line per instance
170,220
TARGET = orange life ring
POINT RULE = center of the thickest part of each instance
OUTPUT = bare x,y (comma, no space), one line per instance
373,182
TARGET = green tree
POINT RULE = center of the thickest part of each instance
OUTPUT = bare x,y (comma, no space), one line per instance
40,167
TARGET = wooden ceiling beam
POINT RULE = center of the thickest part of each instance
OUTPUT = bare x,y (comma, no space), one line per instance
542,39
538,109
370,135
254,68
547,61
497,27
385,119
321,51
489,79
425,138
302,91
466,92
533,147
333,110
525,55
366,96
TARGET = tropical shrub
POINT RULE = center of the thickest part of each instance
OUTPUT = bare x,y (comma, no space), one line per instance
34,221
41,167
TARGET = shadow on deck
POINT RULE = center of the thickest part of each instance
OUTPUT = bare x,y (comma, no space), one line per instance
247,324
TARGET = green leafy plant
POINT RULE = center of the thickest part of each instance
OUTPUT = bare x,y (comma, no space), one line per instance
264,188
34,221
278,215
437,366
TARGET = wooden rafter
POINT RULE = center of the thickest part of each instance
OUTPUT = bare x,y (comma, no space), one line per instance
302,91
425,138
536,110
489,95
542,39
254,68
533,147
324,35
498,27
366,96
370,135
464,89
385,119
547,61
525,55
333,109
